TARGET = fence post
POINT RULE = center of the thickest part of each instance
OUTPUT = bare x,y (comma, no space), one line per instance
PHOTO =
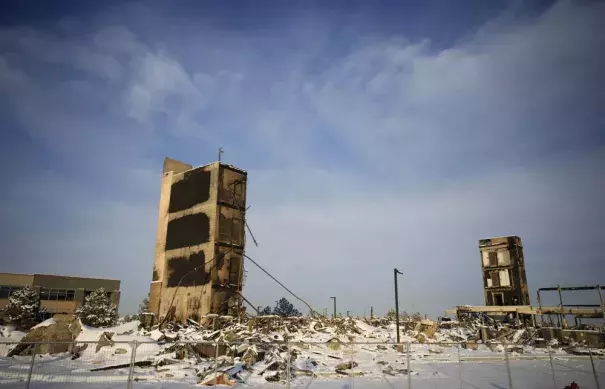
459,365
31,366
131,367
409,367
510,378
594,371
216,365
288,365
352,360
552,369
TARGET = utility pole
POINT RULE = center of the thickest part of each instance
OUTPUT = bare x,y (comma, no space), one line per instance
220,152
395,272
371,312
334,297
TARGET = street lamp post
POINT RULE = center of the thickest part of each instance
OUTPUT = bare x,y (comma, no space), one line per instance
334,297
395,272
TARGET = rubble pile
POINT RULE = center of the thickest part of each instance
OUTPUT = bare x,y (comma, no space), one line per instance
318,347
61,329
224,351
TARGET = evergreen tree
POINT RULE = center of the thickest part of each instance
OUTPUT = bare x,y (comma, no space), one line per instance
23,308
96,311
416,316
284,308
266,311
144,305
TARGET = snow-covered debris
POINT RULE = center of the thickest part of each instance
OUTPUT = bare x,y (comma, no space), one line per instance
156,335
45,323
256,351
10,334
54,337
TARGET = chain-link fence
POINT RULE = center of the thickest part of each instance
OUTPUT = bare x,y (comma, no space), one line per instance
294,365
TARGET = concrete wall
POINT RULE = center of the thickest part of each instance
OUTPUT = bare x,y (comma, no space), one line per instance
61,306
63,282
198,212
11,279
231,237
172,165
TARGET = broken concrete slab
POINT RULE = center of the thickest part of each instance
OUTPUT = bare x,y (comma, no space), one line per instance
105,339
123,365
156,335
342,367
52,338
213,379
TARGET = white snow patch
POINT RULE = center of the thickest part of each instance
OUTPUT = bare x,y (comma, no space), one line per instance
364,326
10,334
45,323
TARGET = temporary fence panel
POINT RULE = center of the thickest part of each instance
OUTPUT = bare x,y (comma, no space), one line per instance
14,371
309,365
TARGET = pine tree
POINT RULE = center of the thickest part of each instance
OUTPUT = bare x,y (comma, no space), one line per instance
23,308
96,311
266,311
416,316
144,305
285,308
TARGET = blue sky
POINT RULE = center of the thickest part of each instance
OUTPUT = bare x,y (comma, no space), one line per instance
375,134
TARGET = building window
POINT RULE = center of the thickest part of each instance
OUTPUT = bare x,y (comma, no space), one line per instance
498,278
504,278
7,290
498,299
495,279
493,258
503,258
57,294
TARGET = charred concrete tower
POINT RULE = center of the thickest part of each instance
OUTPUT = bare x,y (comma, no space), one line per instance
198,267
504,280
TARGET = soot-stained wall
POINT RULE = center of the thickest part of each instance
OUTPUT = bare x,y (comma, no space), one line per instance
179,267
231,229
186,231
193,189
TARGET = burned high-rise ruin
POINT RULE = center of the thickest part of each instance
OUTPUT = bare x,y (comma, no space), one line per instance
504,280
198,268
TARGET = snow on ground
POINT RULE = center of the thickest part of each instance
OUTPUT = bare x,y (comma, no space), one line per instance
8,334
525,374
9,337
120,351
376,366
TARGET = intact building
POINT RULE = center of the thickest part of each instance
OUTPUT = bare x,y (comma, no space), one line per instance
58,294
503,266
198,268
